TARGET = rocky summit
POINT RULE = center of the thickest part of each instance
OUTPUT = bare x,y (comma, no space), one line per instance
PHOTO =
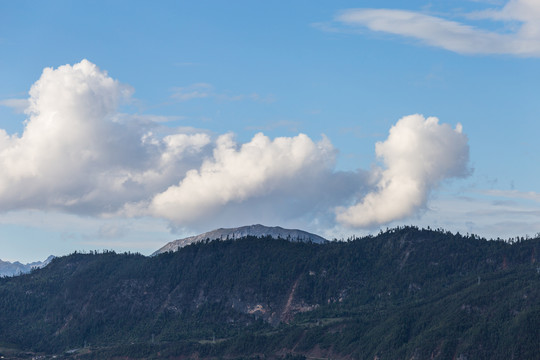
258,230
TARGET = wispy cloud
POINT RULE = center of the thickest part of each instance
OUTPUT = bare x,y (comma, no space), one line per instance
193,91
523,39
514,194
205,90
288,125
148,118
490,214
18,105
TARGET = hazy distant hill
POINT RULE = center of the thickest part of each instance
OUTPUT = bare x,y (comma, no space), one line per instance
404,294
16,268
258,230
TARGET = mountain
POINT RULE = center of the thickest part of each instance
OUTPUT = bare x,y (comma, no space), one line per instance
16,268
406,293
258,230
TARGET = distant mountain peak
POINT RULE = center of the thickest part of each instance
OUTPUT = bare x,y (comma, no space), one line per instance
257,230
17,268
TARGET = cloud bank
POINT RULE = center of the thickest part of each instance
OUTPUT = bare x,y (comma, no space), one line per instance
78,154
521,40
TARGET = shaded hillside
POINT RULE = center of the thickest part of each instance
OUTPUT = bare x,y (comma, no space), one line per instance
406,293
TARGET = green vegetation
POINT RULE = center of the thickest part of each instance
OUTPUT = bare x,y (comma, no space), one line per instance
406,293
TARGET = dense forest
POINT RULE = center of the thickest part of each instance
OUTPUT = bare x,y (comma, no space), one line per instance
406,293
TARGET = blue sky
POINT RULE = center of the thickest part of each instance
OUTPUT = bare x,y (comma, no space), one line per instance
147,125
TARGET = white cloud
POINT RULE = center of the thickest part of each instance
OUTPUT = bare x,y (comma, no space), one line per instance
78,155
524,40
234,174
418,154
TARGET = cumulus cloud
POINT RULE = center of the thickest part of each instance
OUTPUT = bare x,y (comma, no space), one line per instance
78,155
236,173
418,154
522,40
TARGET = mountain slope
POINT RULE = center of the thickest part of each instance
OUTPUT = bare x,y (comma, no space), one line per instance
404,294
258,230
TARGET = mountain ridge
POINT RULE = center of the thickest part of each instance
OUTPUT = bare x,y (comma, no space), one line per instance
256,230
8,268
406,293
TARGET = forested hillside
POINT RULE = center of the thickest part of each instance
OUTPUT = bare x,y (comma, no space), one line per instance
404,294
